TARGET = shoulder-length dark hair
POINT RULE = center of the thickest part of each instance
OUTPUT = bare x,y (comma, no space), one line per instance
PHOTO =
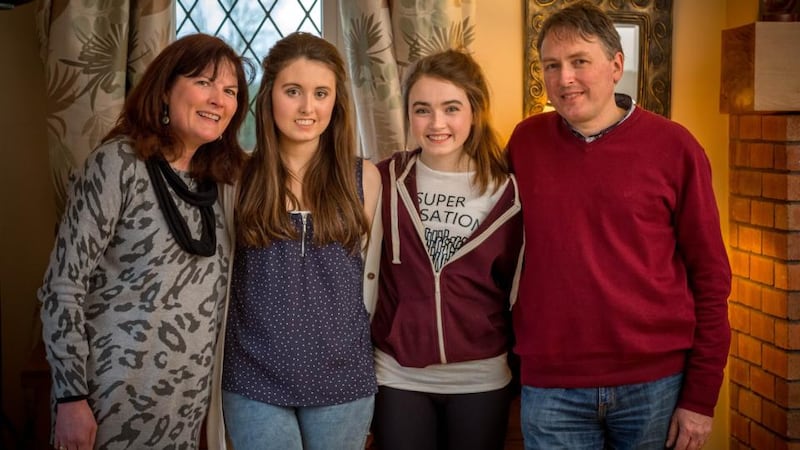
483,144
329,184
220,160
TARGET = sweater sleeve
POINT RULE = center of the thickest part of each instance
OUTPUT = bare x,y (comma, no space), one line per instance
709,275
86,230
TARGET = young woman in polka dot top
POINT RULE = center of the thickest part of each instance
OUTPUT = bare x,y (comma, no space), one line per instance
298,366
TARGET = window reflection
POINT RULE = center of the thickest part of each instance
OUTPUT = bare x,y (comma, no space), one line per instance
629,84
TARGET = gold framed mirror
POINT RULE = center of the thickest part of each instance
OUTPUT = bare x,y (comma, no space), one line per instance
645,27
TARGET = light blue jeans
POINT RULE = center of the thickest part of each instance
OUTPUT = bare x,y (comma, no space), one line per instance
633,416
253,425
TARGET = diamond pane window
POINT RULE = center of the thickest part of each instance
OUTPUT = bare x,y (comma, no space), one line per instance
251,27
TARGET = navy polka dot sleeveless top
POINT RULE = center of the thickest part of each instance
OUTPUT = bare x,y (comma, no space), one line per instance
298,332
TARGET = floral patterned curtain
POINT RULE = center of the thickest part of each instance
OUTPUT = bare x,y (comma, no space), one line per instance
93,50
382,38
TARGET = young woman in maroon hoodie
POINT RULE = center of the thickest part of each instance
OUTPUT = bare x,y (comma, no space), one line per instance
451,252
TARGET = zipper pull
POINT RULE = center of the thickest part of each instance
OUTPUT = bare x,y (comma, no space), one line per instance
303,218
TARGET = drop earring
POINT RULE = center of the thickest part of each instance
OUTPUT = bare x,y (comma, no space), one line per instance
165,115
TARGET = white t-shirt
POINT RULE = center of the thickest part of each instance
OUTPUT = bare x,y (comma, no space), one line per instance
451,208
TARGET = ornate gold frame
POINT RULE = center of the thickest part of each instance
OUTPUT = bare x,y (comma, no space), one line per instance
654,18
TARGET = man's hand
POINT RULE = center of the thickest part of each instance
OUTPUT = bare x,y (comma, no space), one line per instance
688,430
76,427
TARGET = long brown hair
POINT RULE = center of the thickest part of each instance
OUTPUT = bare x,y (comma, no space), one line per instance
220,160
483,144
329,184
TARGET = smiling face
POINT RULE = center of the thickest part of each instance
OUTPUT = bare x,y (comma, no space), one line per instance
303,97
580,79
201,107
440,117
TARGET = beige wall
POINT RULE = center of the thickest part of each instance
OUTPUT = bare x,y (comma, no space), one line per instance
741,12
498,48
26,197
27,216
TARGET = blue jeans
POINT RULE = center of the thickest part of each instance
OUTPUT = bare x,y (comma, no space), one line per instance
255,425
633,416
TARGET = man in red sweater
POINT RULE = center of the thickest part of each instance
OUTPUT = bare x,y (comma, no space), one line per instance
621,322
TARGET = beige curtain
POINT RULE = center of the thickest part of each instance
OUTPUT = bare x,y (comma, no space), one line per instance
93,51
382,38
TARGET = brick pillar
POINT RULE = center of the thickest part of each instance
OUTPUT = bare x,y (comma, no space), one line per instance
764,365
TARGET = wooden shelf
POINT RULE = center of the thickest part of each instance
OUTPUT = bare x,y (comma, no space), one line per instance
760,68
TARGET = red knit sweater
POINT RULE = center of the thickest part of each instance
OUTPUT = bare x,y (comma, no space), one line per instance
626,277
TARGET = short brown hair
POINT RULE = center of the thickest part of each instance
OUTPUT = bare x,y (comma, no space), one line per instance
220,160
585,20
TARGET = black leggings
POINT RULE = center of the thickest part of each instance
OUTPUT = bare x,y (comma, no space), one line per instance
410,420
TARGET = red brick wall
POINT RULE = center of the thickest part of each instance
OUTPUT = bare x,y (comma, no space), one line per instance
764,365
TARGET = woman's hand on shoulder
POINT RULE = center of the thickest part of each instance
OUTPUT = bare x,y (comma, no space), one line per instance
371,180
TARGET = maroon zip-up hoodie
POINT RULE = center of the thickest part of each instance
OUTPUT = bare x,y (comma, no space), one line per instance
460,313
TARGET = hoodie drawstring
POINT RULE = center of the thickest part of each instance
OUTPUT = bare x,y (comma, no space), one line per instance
395,225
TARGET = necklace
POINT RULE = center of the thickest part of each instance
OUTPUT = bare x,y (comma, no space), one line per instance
159,171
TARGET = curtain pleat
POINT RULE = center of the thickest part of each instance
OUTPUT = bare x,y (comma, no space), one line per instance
93,52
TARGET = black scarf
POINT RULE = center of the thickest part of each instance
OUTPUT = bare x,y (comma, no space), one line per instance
204,199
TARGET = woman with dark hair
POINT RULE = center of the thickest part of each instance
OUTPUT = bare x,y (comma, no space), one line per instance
132,300
298,369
